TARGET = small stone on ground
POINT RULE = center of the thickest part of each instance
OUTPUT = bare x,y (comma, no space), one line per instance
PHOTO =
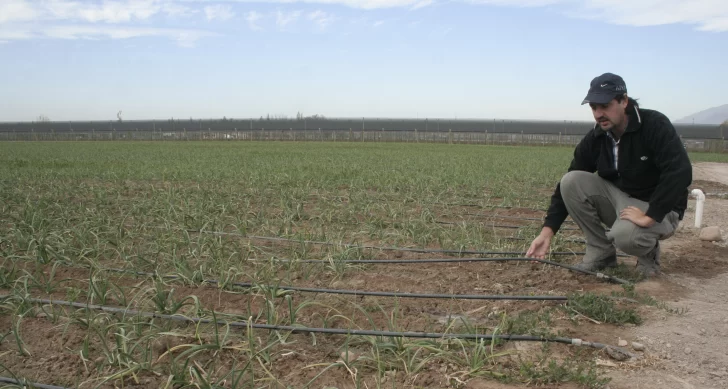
711,234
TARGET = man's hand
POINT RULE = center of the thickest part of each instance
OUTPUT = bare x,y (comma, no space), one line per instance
540,245
636,216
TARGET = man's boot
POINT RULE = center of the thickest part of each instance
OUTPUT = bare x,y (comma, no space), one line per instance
600,264
649,265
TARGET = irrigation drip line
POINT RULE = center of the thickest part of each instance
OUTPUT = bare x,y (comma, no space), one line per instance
572,268
384,248
488,206
582,241
404,294
579,270
507,226
455,260
24,384
331,331
356,292
497,216
407,294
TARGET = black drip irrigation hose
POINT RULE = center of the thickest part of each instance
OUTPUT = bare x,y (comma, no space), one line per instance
506,226
496,216
410,261
406,294
24,384
581,241
331,331
356,292
455,260
384,248
579,270
488,206
572,268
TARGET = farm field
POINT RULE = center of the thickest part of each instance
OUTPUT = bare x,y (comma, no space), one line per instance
198,233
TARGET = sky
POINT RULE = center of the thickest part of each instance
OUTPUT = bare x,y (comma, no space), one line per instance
506,59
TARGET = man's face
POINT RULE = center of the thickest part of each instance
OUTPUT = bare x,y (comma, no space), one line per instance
611,115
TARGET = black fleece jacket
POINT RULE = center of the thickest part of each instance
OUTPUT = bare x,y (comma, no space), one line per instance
653,166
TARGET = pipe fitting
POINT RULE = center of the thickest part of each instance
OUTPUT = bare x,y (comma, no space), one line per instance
700,197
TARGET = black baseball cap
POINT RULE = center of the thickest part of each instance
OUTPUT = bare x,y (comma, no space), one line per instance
604,88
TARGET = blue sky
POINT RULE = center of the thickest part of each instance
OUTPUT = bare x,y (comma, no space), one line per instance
512,59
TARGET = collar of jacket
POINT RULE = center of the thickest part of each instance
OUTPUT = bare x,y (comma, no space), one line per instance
634,124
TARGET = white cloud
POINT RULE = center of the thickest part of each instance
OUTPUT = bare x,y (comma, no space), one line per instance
105,19
519,3
26,19
707,15
716,24
423,4
178,10
17,11
284,18
184,38
106,11
219,11
252,18
321,19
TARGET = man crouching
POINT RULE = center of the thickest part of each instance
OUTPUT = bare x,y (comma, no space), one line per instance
640,191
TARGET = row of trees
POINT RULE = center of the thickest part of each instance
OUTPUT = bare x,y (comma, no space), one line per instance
299,116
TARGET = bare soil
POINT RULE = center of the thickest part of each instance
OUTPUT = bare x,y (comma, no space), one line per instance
687,350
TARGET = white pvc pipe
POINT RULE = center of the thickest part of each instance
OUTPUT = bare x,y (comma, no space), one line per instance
698,206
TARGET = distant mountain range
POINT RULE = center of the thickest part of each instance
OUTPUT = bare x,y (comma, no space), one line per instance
715,115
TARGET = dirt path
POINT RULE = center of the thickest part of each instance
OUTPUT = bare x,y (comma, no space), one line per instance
711,171
688,350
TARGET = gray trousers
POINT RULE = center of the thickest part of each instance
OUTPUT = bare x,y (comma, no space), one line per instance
595,203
